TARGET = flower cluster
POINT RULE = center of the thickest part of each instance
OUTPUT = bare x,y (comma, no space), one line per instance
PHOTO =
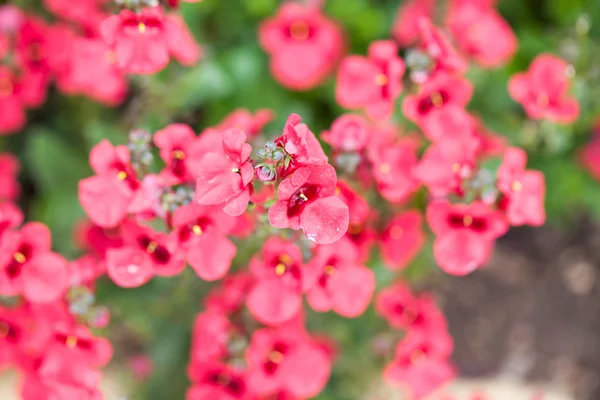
309,221
87,51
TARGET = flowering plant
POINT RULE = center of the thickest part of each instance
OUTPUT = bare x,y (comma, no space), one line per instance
310,168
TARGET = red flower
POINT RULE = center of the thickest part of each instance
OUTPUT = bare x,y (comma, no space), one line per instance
406,25
280,360
218,382
301,144
143,42
446,163
372,82
12,111
402,239
106,196
393,169
178,145
251,123
403,310
28,267
9,169
348,133
91,70
544,90
202,231
340,283
224,177
465,234
482,33
307,200
437,46
277,295
304,45
145,253
439,92
524,190
422,362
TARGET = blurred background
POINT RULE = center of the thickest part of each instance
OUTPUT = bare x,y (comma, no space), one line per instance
531,318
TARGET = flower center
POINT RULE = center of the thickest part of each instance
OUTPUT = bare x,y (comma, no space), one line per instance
178,154
516,186
385,168
300,199
197,230
329,270
35,52
280,269
467,220
121,175
456,168
110,57
71,341
355,229
142,28
381,80
436,99
20,257
417,356
235,170
299,30
4,330
276,357
151,248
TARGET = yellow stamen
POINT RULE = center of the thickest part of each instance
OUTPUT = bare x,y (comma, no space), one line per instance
142,27
276,357
329,270
286,259
20,257
436,99
417,356
303,197
338,191
467,220
151,247
381,80
299,30
516,186
280,269
122,175
197,230
385,168
178,154
71,342
235,170
456,168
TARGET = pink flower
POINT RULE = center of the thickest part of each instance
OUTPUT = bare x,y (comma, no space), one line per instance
301,144
178,145
251,123
143,42
277,295
9,169
280,360
403,310
438,46
211,334
218,382
85,12
106,197
78,341
348,133
340,284
145,253
307,201
12,110
357,205
524,190
224,176
393,169
402,239
439,92
91,70
10,217
422,362
465,234
28,267
202,231
406,25
544,90
482,33
304,45
372,82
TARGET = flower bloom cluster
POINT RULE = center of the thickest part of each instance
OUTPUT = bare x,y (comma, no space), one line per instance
318,217
86,52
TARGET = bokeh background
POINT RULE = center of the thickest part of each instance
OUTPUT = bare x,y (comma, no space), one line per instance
533,314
